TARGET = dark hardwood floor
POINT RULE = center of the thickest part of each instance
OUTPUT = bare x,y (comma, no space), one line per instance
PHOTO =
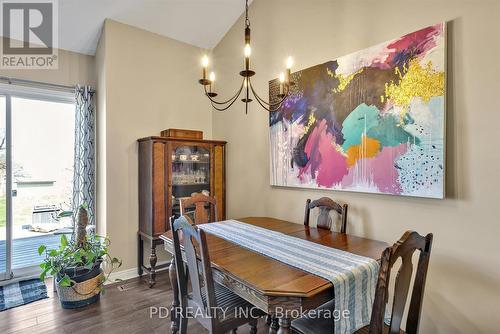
123,311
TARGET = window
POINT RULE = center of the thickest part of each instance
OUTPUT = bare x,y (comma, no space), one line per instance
36,173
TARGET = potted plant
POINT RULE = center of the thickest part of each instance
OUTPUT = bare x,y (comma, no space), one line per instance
76,265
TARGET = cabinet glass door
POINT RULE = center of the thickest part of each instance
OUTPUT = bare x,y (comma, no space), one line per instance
190,174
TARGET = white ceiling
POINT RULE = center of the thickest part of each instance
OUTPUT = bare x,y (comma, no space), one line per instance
198,22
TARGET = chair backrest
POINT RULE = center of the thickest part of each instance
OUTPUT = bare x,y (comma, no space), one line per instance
325,205
404,249
194,244
202,214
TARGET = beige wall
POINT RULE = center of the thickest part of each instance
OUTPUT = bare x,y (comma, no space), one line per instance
100,74
463,287
74,68
147,83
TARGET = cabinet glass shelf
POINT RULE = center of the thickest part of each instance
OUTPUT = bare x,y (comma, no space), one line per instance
189,184
190,162
190,170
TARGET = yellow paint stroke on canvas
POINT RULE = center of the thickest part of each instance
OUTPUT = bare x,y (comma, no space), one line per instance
414,81
368,148
344,80
310,122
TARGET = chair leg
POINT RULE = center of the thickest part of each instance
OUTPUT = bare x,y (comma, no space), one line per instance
274,325
172,273
183,323
284,326
253,326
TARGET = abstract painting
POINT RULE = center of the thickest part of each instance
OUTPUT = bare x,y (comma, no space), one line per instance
372,121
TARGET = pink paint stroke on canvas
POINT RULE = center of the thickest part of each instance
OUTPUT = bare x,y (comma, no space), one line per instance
325,162
385,175
417,43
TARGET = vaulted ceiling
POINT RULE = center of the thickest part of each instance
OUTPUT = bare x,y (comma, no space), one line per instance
201,23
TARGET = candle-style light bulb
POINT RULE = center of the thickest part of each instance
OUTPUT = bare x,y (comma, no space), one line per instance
247,50
204,61
211,77
282,77
282,81
289,63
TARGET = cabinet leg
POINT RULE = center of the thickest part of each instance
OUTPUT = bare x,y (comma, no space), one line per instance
152,263
140,256
172,274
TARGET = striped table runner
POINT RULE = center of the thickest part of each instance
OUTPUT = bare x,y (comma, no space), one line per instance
354,277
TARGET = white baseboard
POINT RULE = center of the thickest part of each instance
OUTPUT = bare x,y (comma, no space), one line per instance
115,277
129,274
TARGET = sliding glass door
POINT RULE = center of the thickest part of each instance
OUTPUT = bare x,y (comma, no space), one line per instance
36,166
4,247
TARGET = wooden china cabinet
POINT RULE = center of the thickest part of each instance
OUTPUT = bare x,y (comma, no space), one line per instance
172,167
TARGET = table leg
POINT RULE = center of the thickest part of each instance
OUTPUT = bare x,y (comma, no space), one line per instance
284,326
172,273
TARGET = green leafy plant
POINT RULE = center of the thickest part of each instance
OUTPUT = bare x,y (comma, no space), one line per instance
72,255
64,214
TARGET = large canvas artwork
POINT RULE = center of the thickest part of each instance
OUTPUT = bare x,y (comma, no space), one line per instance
372,121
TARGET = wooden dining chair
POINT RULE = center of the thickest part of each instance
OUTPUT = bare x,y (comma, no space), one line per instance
325,205
206,297
205,208
404,249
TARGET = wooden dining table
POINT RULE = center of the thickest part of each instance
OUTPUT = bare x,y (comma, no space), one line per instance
273,286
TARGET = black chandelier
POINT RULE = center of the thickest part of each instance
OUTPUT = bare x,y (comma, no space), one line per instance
246,84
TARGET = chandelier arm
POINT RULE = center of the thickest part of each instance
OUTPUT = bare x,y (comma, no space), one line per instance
235,96
268,108
275,107
225,108
261,102
278,104
217,108
258,97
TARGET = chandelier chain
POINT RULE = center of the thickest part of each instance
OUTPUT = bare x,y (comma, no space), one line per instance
247,20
